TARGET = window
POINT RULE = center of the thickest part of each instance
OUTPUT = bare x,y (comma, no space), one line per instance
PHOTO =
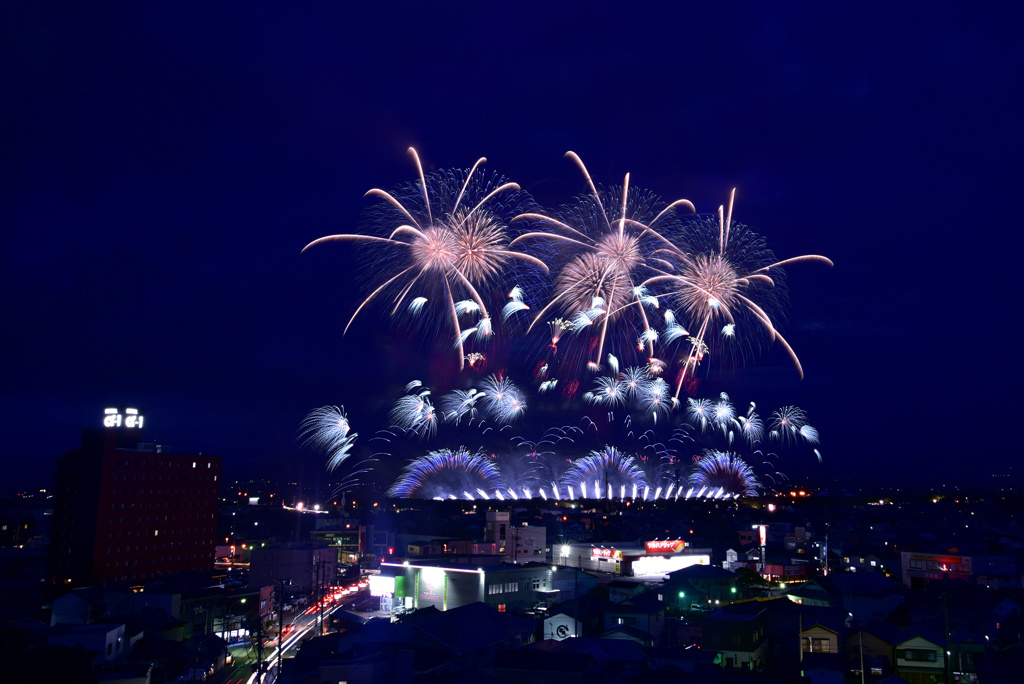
816,645
917,655
501,607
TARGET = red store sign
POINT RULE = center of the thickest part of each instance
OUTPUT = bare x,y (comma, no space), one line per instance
665,546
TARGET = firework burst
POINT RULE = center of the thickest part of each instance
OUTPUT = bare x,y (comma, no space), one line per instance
612,237
327,428
790,423
604,474
446,242
727,283
447,474
502,400
726,472
414,412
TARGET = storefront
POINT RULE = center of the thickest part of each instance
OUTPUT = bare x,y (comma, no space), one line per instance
654,558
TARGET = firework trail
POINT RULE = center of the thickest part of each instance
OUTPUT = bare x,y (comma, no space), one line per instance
446,242
604,474
447,474
787,427
613,240
725,472
460,404
727,282
414,412
327,428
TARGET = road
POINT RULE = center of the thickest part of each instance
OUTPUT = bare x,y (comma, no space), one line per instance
298,628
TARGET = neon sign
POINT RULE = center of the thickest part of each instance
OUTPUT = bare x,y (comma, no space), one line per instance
665,546
131,418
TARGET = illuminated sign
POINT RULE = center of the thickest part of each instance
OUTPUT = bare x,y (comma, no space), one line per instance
605,553
660,566
381,585
130,418
665,546
432,585
762,533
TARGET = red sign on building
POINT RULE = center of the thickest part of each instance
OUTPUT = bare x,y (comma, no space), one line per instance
605,553
665,546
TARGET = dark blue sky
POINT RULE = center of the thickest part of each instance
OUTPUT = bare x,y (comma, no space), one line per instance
164,165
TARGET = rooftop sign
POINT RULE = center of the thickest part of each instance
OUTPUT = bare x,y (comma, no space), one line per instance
116,417
665,546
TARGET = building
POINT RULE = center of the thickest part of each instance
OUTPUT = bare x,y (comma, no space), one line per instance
655,558
496,531
344,534
920,660
921,568
527,545
126,511
701,587
507,588
303,566
644,612
738,633
106,640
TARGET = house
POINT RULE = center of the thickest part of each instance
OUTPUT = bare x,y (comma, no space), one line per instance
866,597
737,633
921,660
701,586
823,668
585,660
821,636
562,625
620,590
873,650
544,667
644,612
868,559
105,639
629,633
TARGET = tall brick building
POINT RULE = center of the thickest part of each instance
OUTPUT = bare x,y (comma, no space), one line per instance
126,512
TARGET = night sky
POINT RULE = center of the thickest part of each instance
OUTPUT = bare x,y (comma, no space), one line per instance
163,166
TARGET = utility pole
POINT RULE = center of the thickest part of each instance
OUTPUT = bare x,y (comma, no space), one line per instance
259,649
860,638
318,568
947,652
280,625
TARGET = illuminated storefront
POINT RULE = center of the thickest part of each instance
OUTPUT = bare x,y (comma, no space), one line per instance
651,559
514,589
